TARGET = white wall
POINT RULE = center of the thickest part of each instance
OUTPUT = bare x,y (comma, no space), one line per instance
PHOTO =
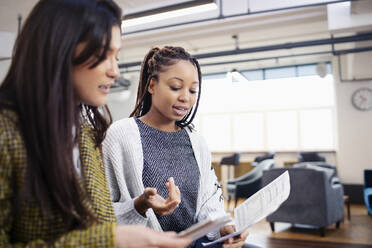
354,131
6,46
121,104
4,66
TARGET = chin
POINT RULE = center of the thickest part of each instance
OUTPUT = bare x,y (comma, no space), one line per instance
179,118
96,103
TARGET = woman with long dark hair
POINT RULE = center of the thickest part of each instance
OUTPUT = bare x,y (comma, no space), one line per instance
53,189
147,155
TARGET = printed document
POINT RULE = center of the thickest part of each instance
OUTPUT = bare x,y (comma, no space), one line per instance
259,205
202,228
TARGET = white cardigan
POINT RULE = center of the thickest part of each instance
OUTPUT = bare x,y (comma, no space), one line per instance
123,157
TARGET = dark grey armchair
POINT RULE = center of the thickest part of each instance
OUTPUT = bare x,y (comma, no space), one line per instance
258,159
316,198
310,157
248,184
331,170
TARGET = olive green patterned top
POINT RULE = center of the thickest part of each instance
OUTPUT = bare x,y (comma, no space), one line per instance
30,228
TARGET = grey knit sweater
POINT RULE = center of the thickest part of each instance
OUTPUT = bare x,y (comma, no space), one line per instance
165,155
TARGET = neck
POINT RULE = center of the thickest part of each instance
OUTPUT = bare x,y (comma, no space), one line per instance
159,122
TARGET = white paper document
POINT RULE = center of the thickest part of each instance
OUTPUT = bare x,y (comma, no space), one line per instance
259,205
202,228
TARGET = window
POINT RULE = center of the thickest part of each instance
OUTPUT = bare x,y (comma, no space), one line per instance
282,130
317,129
282,72
248,131
218,137
286,108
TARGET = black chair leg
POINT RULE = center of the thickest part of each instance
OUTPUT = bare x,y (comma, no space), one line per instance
337,224
322,231
272,226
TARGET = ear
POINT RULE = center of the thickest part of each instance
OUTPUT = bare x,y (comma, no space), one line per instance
151,87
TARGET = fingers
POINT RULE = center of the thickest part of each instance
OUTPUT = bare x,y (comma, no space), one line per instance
170,240
174,191
140,236
149,192
244,235
227,230
174,197
151,198
158,203
237,241
167,208
143,202
234,245
170,233
234,242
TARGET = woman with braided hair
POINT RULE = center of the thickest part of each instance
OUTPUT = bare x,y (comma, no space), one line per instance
147,154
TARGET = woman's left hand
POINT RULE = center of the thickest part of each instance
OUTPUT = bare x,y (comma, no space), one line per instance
234,242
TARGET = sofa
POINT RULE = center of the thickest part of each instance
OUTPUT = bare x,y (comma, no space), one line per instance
316,198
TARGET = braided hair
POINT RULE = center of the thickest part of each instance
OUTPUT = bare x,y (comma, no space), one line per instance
155,61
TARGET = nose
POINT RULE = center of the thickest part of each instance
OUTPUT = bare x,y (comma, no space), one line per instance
184,96
113,70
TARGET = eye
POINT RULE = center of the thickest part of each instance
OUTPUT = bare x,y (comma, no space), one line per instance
174,88
193,91
117,58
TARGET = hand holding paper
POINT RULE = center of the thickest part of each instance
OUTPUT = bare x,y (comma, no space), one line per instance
254,209
236,241
202,228
258,206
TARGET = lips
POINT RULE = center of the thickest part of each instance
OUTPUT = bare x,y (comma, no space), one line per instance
105,88
180,111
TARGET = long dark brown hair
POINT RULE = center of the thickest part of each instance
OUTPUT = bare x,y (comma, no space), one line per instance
38,86
157,60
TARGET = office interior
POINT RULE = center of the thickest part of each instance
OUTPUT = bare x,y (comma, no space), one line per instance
250,42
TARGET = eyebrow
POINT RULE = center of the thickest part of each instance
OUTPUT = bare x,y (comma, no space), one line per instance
180,79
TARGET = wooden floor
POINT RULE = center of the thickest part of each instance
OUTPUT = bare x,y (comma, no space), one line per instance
353,233
294,243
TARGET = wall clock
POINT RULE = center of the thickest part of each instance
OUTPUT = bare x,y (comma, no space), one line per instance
362,99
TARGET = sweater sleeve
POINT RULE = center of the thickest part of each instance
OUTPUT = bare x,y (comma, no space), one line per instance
212,203
114,158
103,234
96,235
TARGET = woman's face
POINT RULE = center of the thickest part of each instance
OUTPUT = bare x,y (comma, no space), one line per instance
175,92
92,85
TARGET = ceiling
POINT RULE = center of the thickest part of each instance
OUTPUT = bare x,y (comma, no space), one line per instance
215,35
11,9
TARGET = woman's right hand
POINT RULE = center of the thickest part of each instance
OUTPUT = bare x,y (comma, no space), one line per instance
150,199
140,237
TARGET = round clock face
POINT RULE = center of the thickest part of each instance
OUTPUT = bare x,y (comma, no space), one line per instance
362,99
